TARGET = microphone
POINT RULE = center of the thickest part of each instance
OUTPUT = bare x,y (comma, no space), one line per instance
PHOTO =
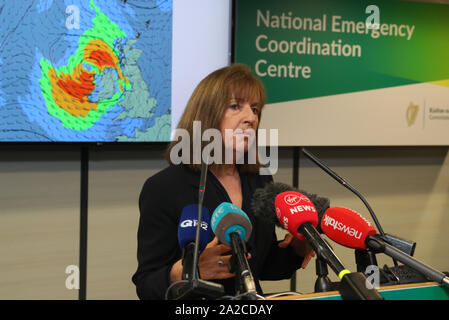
186,237
296,213
402,244
273,203
201,191
352,230
191,287
263,199
262,202
233,228
347,227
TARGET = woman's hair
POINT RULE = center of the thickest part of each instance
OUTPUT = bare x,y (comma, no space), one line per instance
211,98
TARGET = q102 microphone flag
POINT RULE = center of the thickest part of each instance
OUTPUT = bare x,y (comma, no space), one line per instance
188,224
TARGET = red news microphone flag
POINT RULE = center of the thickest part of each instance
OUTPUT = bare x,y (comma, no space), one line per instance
293,209
347,227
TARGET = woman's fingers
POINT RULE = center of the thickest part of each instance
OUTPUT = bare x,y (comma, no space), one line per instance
214,261
287,241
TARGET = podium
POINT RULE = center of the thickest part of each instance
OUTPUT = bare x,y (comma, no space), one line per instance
413,291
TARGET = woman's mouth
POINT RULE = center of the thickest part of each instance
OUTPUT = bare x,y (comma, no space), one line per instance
248,133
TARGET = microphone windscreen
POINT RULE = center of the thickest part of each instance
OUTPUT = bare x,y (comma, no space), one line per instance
263,199
228,218
293,209
347,227
188,224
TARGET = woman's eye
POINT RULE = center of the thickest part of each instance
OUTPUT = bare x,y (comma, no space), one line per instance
234,106
255,110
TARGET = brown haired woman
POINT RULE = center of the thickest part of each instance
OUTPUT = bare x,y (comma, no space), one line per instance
228,101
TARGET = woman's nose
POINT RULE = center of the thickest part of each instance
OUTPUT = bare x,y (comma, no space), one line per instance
248,115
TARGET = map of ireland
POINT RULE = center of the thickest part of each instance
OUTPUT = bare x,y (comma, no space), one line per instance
85,71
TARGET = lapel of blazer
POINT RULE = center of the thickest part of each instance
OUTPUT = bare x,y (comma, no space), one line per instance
264,231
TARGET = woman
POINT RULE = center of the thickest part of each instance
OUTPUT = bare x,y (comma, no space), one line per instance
228,100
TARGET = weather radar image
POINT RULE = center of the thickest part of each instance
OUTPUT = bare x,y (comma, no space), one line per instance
85,71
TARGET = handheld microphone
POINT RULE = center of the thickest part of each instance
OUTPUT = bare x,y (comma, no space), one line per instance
296,213
187,234
262,202
273,203
364,257
233,228
352,230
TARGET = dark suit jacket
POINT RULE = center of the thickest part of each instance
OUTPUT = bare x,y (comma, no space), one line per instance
161,201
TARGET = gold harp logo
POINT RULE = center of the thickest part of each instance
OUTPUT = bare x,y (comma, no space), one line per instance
412,113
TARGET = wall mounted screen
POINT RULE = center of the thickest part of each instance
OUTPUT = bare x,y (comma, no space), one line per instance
103,70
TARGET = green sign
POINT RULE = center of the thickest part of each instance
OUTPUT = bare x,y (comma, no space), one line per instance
309,48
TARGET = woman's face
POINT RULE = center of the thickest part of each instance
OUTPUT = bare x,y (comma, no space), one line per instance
239,124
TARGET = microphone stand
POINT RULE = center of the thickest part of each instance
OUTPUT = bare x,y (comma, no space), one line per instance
353,284
201,192
404,245
345,184
195,287
244,281
322,283
380,245
367,257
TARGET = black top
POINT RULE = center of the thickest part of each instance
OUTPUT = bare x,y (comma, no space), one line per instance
161,201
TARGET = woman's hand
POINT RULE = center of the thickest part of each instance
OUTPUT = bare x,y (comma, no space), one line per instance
301,247
212,263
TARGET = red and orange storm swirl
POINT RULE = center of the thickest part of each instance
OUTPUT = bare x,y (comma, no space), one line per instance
71,91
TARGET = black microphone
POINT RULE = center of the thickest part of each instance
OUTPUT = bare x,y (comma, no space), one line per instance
192,287
201,191
186,237
344,183
402,244
263,199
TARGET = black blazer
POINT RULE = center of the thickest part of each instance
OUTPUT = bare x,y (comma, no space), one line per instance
161,201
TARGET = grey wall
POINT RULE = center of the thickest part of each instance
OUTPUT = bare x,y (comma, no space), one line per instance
408,189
